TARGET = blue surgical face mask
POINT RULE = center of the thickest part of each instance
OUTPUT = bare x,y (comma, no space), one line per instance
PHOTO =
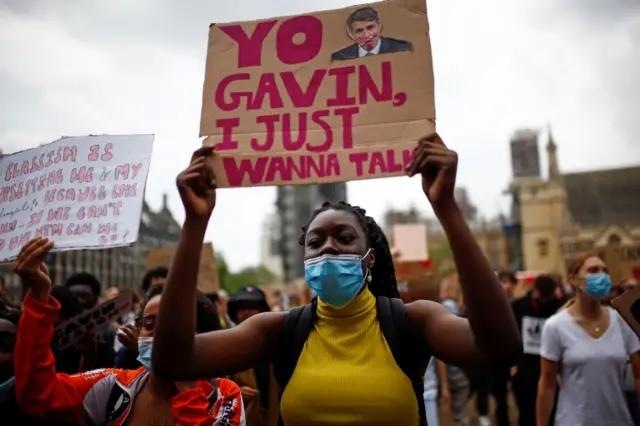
145,344
336,279
598,285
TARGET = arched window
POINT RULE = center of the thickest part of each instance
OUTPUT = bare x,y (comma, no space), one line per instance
614,240
543,247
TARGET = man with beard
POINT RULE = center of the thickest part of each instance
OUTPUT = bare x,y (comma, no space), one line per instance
531,312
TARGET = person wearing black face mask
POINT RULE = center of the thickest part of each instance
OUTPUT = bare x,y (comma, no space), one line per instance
531,312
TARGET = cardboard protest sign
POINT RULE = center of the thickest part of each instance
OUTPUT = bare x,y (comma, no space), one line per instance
628,304
323,97
70,332
623,262
81,192
208,281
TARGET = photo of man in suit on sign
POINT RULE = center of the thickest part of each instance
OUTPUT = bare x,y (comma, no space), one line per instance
364,26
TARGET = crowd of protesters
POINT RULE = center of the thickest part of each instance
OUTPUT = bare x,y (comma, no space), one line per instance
354,355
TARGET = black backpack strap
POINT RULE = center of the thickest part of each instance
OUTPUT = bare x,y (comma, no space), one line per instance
293,334
395,327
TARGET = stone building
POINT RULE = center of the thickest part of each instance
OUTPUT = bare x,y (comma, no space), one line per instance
121,267
568,213
489,234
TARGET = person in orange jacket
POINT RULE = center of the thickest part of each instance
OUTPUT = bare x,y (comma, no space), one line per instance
107,396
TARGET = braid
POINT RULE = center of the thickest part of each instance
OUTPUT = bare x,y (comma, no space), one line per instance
383,275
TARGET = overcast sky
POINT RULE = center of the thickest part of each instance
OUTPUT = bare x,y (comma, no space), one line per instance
71,67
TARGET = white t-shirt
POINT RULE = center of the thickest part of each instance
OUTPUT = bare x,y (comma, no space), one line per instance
591,379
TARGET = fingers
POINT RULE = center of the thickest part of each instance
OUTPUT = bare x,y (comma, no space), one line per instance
33,253
38,255
435,138
202,152
31,247
131,332
31,244
192,173
430,150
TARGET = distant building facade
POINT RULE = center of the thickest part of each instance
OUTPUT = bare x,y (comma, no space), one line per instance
121,267
489,234
294,205
270,256
574,212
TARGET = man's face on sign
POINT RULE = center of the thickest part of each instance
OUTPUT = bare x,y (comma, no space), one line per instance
365,33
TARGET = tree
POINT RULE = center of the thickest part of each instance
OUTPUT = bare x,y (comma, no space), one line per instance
441,253
223,270
252,275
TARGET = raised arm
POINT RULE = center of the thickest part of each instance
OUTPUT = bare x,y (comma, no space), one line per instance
39,390
178,354
490,333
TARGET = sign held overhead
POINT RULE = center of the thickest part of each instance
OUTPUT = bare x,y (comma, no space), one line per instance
81,192
324,97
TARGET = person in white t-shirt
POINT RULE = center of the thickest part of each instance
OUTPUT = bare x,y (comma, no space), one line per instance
587,345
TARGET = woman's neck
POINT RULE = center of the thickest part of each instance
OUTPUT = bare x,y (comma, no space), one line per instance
587,307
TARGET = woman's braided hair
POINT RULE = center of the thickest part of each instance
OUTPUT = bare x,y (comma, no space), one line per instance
383,274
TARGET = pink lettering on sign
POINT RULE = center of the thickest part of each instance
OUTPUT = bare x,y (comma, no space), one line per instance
35,218
104,154
50,230
78,229
268,169
282,169
291,53
82,175
8,227
64,154
127,171
294,130
17,191
300,95
288,50
379,162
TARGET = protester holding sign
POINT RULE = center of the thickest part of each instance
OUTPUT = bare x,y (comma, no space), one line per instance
346,373
587,344
106,396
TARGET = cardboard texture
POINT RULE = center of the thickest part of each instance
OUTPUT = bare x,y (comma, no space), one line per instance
623,262
208,281
628,305
296,100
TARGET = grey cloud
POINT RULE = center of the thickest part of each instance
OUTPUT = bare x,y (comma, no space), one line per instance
168,22
605,12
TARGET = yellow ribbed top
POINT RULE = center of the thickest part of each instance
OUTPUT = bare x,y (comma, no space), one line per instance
346,374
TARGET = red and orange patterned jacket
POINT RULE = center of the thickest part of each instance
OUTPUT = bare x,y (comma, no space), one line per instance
102,397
